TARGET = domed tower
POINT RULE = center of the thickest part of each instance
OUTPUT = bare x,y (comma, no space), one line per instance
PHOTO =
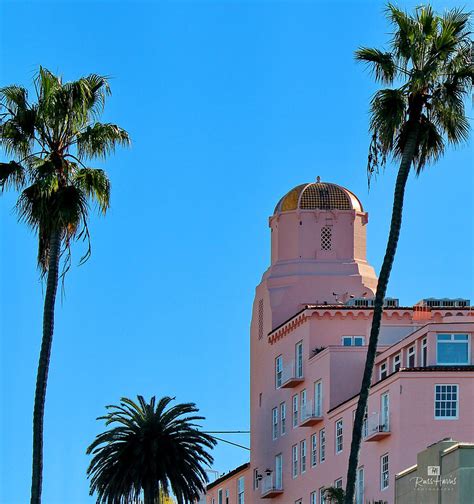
318,252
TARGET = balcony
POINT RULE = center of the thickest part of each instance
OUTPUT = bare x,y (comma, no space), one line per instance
270,488
290,376
377,427
310,415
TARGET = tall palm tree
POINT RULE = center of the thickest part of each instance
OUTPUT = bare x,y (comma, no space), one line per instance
51,141
430,71
152,450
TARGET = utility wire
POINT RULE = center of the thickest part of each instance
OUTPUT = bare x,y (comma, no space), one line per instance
231,443
228,432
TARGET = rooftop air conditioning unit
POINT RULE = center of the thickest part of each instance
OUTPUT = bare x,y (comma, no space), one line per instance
444,303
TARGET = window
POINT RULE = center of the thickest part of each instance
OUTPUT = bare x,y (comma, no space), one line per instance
339,438
322,445
299,360
303,456
359,491
299,501
241,490
256,479
446,402
278,371
220,496
326,238
396,363
274,423
353,340
226,496
279,471
384,412
383,371
294,461
260,318
365,425
411,357
295,410
338,483
452,349
322,495
314,449
424,352
313,498
283,418
318,398
303,402
384,474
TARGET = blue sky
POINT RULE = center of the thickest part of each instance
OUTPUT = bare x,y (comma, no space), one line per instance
229,105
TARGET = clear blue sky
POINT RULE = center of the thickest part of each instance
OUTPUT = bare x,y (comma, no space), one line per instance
229,104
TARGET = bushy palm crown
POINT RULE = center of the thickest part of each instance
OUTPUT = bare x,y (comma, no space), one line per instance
52,141
430,63
154,448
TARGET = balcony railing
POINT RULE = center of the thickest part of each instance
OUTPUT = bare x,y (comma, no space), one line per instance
270,487
310,414
378,427
291,376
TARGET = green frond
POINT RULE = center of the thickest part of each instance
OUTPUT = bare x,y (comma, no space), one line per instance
381,63
100,140
14,98
95,184
427,20
430,146
405,33
12,175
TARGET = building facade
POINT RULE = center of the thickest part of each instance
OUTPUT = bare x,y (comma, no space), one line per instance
310,325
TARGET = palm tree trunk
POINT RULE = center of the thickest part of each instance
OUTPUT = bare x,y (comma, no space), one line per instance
148,495
43,366
395,225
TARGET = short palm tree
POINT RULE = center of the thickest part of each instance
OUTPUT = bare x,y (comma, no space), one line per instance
334,495
51,141
152,449
430,69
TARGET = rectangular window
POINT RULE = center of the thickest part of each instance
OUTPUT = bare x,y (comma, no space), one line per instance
299,360
220,496
424,352
294,461
241,490
383,371
279,471
274,423
384,474
338,483
322,445
452,349
226,496
256,479
295,410
411,357
359,340
314,449
359,493
339,438
396,363
384,412
302,402
278,371
322,495
353,341
313,496
318,398
446,402
283,418
347,340
303,456
365,425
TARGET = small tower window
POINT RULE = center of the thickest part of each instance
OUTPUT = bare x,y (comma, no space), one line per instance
326,238
260,319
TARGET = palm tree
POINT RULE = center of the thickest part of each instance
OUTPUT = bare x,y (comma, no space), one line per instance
430,68
333,495
153,449
51,140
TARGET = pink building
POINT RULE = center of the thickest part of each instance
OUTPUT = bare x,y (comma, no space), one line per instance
310,325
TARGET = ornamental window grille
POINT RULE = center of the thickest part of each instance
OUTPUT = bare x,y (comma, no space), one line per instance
326,238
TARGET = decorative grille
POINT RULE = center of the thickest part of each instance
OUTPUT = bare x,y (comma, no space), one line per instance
260,319
326,238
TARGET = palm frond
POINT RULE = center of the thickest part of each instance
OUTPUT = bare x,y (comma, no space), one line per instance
12,175
95,184
100,140
381,63
14,98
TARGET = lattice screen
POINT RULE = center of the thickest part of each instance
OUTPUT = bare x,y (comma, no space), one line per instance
260,319
326,238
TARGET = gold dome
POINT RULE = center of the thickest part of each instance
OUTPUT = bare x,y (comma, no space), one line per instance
319,195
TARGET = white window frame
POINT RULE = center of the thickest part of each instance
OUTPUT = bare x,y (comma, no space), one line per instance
322,495
294,461
226,495
384,472
274,423
397,360
241,490
299,501
338,483
303,399
322,445
383,370
346,338
424,352
456,386
303,456
454,342
385,410
279,471
339,435
256,480
318,398
352,340
278,371
294,411
282,418
299,359
411,353
313,497
314,449
220,496
359,491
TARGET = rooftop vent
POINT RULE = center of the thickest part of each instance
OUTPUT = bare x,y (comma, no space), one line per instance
369,303
444,303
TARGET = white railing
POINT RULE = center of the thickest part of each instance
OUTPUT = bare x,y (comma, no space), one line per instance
309,411
376,423
269,485
290,372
